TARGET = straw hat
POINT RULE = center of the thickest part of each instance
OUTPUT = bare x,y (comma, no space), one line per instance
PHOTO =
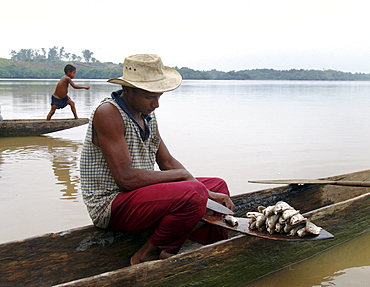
146,71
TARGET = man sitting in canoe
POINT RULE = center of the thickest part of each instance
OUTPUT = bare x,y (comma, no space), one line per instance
120,187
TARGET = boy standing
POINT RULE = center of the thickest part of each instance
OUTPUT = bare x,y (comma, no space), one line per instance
60,98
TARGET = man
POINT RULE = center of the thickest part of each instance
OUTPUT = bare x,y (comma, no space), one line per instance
120,187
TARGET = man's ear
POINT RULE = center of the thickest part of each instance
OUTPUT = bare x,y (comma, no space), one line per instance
126,90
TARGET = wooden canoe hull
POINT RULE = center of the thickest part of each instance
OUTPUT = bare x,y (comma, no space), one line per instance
92,257
36,127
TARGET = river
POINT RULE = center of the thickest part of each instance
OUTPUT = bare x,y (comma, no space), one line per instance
237,130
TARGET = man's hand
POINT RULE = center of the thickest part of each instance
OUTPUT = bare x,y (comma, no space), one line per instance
221,198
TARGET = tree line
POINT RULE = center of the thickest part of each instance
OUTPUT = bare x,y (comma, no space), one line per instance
49,64
271,74
54,54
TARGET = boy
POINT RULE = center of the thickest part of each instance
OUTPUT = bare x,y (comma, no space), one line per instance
60,98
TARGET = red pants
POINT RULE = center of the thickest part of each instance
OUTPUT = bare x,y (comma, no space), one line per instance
174,208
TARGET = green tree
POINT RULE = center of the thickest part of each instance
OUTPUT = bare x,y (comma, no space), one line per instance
53,54
87,55
61,54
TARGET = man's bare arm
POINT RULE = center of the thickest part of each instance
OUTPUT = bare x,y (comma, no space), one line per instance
109,136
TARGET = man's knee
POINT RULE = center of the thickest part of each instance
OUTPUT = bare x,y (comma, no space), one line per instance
215,184
198,188
197,196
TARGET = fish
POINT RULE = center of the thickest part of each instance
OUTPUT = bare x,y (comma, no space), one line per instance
270,230
269,210
231,220
260,221
272,220
287,227
280,206
279,228
312,228
262,228
253,214
253,225
280,218
261,208
297,218
289,213
302,232
294,230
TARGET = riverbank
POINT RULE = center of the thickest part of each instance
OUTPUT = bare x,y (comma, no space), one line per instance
50,70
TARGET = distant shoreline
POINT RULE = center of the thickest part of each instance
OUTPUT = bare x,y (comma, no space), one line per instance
11,69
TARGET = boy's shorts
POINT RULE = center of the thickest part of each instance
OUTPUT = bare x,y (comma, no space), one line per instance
60,103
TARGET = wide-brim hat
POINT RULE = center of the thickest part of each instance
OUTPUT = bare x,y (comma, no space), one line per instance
147,72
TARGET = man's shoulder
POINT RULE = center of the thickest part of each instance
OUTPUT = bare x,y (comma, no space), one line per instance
106,107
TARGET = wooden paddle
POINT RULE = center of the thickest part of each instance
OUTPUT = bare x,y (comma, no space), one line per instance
243,227
313,181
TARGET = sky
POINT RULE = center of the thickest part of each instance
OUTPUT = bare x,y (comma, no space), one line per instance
198,34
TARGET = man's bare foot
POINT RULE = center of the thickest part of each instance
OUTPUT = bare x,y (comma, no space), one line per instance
147,252
165,255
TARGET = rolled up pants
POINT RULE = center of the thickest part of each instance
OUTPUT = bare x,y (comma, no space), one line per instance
173,208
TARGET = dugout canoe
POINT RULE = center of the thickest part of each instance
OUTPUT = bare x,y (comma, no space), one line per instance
89,256
36,127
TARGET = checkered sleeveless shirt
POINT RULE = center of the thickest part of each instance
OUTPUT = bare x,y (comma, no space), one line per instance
98,186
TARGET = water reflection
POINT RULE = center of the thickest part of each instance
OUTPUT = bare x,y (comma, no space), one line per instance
345,265
238,130
61,153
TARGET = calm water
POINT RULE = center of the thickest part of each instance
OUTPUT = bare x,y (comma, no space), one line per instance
237,130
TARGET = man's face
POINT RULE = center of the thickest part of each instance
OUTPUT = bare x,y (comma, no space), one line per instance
143,101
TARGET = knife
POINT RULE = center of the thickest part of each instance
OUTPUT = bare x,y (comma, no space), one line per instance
215,206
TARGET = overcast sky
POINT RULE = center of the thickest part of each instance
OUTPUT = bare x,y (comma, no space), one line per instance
199,34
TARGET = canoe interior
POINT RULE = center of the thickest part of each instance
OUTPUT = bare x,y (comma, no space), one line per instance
36,127
91,257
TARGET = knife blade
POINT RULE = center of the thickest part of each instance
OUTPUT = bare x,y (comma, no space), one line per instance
215,206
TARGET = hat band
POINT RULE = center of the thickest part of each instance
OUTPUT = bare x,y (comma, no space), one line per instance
141,73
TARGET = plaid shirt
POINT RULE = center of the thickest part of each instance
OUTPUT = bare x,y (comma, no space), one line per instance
97,183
